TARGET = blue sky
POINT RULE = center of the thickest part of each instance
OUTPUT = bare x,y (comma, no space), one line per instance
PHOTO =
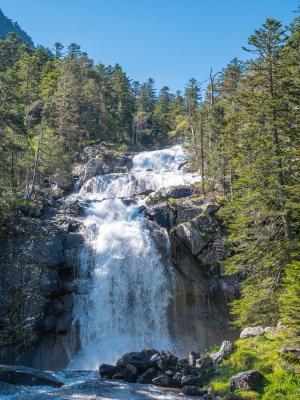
168,40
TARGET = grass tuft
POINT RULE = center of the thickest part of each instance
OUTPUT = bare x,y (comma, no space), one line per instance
260,353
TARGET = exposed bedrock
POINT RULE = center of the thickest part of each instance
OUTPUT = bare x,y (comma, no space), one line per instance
99,159
38,264
186,227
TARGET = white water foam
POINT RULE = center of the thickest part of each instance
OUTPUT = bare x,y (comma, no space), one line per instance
125,287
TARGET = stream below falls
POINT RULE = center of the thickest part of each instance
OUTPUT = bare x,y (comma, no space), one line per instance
124,285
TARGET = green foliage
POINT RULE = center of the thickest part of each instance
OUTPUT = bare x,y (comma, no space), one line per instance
260,353
289,299
244,138
7,26
53,105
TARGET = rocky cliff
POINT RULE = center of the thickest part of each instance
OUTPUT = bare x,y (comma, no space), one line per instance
37,283
196,243
40,257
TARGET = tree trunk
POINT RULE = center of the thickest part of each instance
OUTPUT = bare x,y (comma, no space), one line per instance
202,157
278,162
12,170
36,163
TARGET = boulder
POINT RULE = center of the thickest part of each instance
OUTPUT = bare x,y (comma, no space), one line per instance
98,159
176,379
32,211
195,235
20,375
204,362
93,167
141,366
127,374
132,370
162,380
191,370
192,357
120,375
72,208
162,214
251,332
247,380
107,371
214,252
177,192
155,357
225,351
193,391
166,361
190,380
270,329
182,363
147,376
186,211
141,359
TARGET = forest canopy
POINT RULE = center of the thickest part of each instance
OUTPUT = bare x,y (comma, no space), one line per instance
241,131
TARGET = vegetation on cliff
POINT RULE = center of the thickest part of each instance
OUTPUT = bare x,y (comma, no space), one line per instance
242,135
261,353
7,26
245,139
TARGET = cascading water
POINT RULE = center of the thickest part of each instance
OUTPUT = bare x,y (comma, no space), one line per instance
125,286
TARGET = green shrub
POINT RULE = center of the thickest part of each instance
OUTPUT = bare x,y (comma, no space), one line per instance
260,353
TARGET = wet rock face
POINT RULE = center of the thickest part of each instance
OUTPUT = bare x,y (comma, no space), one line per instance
193,221
195,236
187,229
193,391
19,375
161,369
100,159
37,270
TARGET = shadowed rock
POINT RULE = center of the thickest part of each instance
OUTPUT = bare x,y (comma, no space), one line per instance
107,371
193,391
162,380
20,375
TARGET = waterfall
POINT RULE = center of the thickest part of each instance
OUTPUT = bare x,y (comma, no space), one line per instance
124,286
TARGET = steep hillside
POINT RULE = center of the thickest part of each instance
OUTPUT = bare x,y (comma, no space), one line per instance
7,25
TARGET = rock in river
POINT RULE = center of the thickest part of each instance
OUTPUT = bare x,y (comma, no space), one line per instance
20,375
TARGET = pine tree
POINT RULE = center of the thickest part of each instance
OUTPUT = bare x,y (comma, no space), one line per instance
162,115
260,216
